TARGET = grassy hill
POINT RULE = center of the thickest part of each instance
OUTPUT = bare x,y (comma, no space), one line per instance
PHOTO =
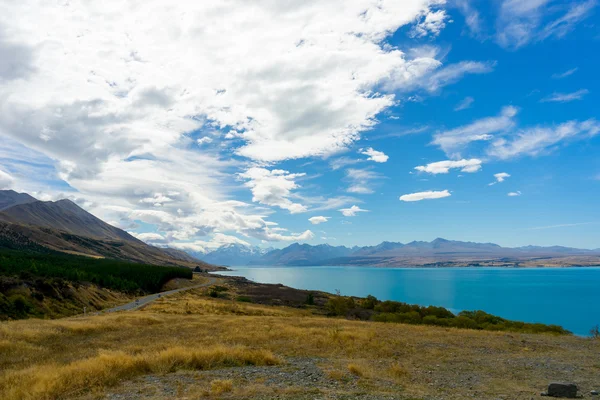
51,284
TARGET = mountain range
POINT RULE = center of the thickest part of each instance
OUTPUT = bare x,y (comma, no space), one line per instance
28,223
438,253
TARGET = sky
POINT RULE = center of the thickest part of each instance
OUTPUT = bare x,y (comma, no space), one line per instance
201,124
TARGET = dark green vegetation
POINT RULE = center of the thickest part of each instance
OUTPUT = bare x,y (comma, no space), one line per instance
372,309
31,281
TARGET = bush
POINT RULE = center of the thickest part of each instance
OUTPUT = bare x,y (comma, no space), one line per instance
369,302
340,305
244,299
310,299
595,332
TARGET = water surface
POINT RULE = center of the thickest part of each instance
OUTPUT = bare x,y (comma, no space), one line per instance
564,296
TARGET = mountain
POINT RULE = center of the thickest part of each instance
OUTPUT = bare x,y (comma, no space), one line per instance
232,254
63,215
9,198
439,252
303,254
27,223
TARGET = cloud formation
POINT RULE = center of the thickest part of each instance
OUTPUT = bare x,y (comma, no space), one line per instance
318,220
453,141
565,97
465,103
443,167
428,195
514,194
273,188
539,140
500,177
374,155
6,180
352,211
521,22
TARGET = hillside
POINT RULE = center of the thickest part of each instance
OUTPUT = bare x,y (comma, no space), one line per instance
26,223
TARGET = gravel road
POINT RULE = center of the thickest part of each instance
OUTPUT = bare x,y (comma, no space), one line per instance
142,301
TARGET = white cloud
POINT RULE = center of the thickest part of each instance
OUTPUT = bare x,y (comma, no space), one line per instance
443,167
455,140
472,17
500,177
428,74
273,188
111,96
342,162
565,74
565,97
362,180
150,237
431,24
524,21
514,194
428,195
6,180
537,140
318,220
352,211
465,103
374,155
204,140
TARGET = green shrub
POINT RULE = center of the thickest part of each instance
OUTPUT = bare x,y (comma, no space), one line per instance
244,299
339,305
310,299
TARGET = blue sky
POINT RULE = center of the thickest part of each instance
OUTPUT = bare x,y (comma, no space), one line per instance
345,123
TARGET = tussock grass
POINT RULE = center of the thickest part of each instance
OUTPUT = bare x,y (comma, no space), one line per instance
45,359
221,386
108,368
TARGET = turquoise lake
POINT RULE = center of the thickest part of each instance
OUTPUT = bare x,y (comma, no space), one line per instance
569,297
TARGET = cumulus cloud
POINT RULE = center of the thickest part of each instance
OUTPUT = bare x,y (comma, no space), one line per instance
455,140
6,180
500,177
465,103
352,211
273,188
428,195
431,24
112,97
443,167
318,220
374,155
538,140
565,97
204,140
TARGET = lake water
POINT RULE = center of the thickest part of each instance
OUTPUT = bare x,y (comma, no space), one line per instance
569,297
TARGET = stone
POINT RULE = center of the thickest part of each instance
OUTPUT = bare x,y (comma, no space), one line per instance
594,393
563,389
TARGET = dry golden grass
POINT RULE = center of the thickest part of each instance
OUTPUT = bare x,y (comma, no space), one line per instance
51,381
221,386
44,359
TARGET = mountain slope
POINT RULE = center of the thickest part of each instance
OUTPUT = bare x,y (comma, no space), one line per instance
303,254
9,198
64,226
63,215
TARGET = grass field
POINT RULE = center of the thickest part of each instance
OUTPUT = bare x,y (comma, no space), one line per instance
191,345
